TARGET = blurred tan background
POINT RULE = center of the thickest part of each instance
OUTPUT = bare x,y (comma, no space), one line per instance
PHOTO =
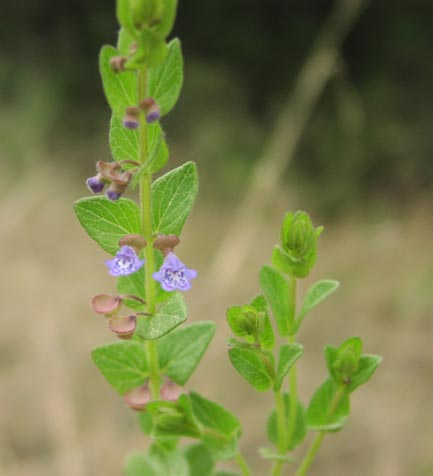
325,107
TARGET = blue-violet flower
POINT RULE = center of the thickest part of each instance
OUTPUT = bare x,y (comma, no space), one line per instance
125,262
173,274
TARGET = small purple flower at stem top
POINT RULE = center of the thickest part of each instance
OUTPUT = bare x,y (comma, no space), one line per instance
173,274
125,262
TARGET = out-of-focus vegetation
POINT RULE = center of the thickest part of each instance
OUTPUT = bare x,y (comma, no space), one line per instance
369,134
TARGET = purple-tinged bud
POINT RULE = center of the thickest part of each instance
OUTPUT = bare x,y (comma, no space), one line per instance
106,304
153,112
125,262
95,184
138,398
123,327
113,195
130,120
120,182
170,391
166,243
117,63
173,274
136,241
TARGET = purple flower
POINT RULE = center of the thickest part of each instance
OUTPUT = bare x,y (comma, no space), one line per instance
173,274
95,184
113,195
125,262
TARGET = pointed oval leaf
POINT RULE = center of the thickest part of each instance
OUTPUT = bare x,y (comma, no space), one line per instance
200,460
321,414
266,333
120,88
173,197
165,81
106,221
277,292
221,429
180,351
253,365
289,354
367,366
171,313
123,364
315,295
124,143
138,464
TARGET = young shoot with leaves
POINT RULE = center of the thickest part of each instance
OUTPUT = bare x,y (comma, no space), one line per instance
154,357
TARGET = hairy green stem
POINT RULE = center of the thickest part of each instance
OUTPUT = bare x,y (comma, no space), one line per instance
317,441
240,460
293,387
146,217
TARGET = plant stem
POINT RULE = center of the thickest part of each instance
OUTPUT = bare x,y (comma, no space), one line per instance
317,441
293,392
281,422
146,218
240,460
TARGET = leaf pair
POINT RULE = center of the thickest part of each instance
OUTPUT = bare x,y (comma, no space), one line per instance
173,197
124,363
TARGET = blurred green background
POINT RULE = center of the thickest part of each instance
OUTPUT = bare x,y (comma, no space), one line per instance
350,142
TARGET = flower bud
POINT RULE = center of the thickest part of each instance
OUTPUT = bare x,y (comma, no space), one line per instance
130,120
153,112
138,398
166,243
299,244
146,12
123,327
117,63
136,241
108,170
120,182
106,304
96,184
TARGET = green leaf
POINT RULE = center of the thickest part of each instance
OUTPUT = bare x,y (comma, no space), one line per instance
254,365
277,292
289,354
165,81
123,364
170,462
133,284
173,418
299,431
124,143
124,42
140,464
271,454
106,221
265,331
315,295
221,429
120,88
243,321
180,351
173,197
328,409
200,460
171,313
367,366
